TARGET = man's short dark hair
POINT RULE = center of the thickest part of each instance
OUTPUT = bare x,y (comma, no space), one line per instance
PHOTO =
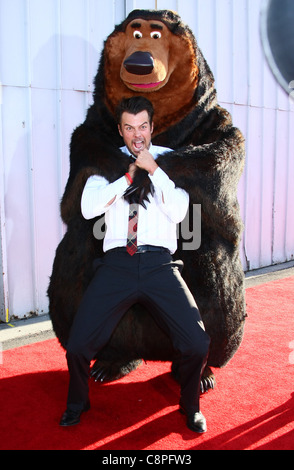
135,105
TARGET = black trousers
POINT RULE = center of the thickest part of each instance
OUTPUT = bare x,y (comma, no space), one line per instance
120,281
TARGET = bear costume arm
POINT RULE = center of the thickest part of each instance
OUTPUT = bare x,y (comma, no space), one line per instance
92,152
210,174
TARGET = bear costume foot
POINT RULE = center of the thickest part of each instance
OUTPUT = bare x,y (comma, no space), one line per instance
104,371
207,383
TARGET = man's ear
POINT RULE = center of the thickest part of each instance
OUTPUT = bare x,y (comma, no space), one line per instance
119,129
152,127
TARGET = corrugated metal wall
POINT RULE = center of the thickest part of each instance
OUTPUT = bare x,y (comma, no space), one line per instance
49,56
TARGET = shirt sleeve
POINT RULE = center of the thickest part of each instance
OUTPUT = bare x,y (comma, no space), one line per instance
98,193
174,202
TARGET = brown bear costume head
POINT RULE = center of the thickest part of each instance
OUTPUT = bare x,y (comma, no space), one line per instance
146,54
153,53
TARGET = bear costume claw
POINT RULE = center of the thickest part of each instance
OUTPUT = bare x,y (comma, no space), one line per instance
106,372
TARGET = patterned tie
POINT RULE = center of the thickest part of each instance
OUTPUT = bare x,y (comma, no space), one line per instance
132,229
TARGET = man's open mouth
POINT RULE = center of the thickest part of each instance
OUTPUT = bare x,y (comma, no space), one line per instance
139,145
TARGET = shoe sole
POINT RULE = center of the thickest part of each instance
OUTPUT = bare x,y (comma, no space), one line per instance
77,422
69,425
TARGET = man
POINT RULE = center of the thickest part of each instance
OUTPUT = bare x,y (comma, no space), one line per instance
137,267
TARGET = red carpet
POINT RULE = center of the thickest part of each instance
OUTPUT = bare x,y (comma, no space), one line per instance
251,408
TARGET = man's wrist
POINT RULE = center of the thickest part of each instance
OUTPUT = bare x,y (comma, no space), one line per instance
129,178
153,169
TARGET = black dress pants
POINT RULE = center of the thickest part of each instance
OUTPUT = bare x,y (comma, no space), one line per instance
154,280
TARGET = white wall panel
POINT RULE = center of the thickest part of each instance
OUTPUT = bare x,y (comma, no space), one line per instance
170,5
17,197
49,54
43,51
239,55
13,39
289,239
4,295
44,188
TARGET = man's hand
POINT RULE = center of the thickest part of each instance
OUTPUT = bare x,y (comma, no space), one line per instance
146,161
132,169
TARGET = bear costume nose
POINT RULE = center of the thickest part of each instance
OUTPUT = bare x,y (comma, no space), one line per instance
139,63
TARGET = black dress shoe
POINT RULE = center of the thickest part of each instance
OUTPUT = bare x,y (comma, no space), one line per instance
195,421
71,417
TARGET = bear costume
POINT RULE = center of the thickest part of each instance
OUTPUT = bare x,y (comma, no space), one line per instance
152,53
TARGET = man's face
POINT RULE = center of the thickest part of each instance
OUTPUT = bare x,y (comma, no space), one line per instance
136,131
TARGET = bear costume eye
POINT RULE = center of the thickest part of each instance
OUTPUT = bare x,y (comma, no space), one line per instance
155,35
137,35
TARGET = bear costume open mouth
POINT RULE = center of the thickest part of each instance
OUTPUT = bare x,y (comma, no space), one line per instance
144,85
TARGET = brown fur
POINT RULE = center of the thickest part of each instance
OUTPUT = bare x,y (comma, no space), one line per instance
207,161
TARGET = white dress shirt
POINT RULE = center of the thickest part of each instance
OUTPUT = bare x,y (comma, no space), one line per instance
157,225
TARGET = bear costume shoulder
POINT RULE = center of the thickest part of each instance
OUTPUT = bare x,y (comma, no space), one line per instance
154,54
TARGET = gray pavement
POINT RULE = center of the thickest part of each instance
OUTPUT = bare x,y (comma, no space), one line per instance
31,330
21,332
